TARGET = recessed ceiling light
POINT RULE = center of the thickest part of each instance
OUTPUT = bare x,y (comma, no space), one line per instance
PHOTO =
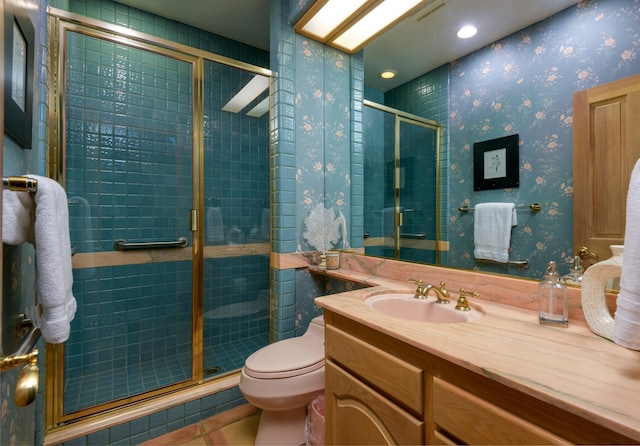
388,74
467,31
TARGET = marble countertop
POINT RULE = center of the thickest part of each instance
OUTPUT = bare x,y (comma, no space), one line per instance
571,368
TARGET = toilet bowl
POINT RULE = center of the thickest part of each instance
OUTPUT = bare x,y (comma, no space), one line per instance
282,379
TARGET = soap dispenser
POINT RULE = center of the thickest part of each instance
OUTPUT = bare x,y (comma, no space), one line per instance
552,298
575,273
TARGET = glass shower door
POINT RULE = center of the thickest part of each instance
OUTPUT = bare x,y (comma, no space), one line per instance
236,217
417,178
401,185
129,155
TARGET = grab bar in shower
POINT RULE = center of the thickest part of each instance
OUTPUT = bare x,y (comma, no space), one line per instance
521,264
20,184
122,245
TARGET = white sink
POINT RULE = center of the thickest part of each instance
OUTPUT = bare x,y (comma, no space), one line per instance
405,306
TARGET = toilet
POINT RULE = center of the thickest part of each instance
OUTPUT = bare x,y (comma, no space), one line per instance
282,379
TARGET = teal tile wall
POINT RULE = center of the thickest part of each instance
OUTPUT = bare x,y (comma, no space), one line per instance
155,112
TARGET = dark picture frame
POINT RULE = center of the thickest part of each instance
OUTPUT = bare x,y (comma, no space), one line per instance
496,163
19,61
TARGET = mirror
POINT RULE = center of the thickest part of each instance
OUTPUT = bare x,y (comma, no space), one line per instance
522,84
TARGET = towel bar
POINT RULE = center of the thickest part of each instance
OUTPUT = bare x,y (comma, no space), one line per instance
522,264
24,352
122,245
20,184
418,235
534,207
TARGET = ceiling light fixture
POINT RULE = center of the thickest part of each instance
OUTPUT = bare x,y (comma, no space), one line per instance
467,31
260,109
388,74
247,94
350,24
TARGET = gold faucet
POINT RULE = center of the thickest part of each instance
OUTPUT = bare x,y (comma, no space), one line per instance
442,295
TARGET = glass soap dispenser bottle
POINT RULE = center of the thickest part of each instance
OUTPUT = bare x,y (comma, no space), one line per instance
575,273
552,298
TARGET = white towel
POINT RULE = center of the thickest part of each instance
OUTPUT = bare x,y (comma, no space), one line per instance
264,224
87,242
18,217
388,222
215,228
626,330
492,230
55,305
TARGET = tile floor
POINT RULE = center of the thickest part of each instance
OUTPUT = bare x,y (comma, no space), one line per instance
235,427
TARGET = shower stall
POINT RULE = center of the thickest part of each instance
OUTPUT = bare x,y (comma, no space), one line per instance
166,169
402,195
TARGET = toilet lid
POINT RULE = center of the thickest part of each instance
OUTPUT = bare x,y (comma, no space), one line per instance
286,358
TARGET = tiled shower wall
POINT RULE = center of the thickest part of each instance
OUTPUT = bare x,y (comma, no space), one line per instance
239,209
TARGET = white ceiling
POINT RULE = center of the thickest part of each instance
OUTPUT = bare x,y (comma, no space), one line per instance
419,44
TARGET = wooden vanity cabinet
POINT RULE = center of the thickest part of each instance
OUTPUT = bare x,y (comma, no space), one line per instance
380,390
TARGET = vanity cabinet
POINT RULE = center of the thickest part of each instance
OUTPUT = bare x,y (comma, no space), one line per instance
380,390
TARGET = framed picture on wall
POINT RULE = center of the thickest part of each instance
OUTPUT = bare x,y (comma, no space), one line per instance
18,65
496,163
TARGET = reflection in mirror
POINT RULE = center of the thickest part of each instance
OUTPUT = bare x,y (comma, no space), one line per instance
401,159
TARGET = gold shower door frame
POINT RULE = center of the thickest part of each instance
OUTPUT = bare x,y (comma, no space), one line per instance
401,117
59,24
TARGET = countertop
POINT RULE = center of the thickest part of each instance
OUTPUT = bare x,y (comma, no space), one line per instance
571,368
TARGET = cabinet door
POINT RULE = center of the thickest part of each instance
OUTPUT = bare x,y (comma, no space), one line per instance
605,150
357,414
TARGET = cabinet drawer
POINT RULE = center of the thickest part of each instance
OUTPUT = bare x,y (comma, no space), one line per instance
472,420
389,374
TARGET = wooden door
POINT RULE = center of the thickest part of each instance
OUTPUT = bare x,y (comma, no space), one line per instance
606,146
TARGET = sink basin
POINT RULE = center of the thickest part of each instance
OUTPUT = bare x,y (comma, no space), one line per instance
405,306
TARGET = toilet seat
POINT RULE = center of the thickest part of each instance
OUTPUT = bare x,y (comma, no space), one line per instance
286,358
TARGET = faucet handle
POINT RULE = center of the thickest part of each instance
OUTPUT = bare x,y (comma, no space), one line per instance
443,296
463,304
420,290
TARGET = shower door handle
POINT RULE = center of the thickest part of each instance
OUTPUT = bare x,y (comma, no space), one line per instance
122,245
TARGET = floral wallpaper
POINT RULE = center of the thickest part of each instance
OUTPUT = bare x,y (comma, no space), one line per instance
524,84
322,135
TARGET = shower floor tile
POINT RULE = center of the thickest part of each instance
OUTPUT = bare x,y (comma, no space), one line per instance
88,390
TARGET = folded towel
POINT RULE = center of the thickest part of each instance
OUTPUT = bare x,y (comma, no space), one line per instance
264,224
492,230
215,228
85,237
388,221
626,330
55,304
18,217
48,231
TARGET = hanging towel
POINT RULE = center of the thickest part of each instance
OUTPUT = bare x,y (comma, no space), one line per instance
86,238
626,330
215,228
492,230
389,223
264,224
55,305
18,217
